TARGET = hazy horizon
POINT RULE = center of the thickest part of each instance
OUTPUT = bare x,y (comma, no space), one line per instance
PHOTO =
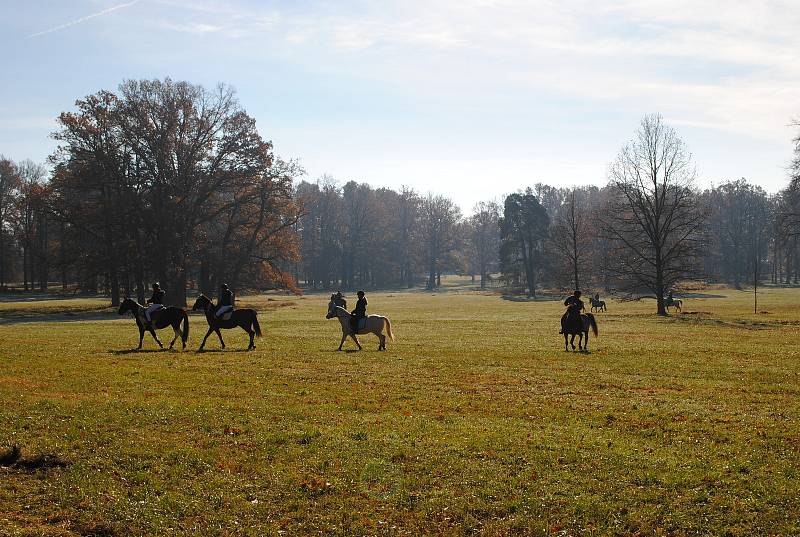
438,96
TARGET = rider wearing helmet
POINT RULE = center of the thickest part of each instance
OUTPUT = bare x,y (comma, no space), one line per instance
574,306
225,302
155,303
359,313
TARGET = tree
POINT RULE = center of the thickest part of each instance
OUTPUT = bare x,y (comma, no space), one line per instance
738,210
571,237
484,236
180,178
439,217
654,221
523,232
9,190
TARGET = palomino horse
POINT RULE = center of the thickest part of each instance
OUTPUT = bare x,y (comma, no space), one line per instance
169,316
580,329
246,319
599,305
374,325
676,303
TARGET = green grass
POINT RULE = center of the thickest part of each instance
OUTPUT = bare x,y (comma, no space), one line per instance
474,421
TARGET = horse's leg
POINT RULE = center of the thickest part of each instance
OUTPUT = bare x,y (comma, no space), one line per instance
155,336
353,335
203,344
586,345
176,330
344,336
219,335
252,334
572,341
141,336
382,344
566,342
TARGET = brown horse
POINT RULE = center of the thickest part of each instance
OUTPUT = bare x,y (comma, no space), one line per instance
373,325
578,326
246,319
169,316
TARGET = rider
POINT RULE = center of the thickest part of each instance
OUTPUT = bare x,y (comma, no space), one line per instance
339,300
359,313
574,306
156,302
225,302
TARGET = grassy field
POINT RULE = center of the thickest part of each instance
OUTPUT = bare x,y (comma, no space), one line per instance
474,421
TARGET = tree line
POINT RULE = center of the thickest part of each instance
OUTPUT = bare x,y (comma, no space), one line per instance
169,181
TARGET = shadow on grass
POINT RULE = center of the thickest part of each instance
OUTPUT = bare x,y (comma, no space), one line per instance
515,298
14,459
207,351
119,352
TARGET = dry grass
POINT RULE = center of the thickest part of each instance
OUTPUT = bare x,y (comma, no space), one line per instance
474,421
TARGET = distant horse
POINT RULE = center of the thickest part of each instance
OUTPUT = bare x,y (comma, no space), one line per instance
676,303
246,319
572,328
169,316
373,324
600,305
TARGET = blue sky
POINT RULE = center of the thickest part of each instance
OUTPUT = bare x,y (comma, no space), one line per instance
470,98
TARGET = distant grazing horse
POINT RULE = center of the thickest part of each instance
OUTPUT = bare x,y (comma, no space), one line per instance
169,316
372,324
600,305
572,328
245,318
676,303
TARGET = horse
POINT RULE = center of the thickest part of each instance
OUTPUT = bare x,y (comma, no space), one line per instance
169,316
570,327
245,318
600,305
373,325
676,303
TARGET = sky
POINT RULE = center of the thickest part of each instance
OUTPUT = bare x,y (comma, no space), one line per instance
473,99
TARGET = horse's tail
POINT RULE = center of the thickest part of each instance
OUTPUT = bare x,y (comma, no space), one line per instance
592,323
256,326
185,331
389,328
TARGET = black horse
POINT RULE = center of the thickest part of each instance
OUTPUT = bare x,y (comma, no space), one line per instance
169,316
578,325
246,319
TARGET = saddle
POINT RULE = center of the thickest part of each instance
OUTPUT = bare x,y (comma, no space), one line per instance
226,316
153,316
362,323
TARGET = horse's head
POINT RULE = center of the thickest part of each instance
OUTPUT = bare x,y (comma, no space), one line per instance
127,305
201,302
331,309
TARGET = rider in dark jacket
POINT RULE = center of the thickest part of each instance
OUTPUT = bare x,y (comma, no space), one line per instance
574,306
359,313
225,302
155,303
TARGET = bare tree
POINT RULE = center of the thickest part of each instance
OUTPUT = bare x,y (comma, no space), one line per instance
485,237
654,222
439,218
571,238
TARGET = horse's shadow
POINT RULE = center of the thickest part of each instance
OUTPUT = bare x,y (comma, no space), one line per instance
206,351
137,351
